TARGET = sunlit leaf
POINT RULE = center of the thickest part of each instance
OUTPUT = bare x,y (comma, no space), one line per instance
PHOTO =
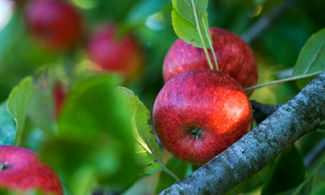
18,104
189,19
148,150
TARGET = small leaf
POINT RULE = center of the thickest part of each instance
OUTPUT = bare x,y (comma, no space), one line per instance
179,168
148,150
18,104
189,24
7,127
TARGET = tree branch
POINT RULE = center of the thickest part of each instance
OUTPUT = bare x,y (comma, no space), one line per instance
266,21
258,147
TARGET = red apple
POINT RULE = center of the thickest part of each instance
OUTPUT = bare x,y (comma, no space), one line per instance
21,170
200,113
59,95
234,57
56,23
115,54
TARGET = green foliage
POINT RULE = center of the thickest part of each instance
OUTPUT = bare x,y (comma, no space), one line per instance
178,167
96,132
319,191
286,38
18,105
42,101
140,12
190,21
30,192
7,127
288,172
252,183
147,148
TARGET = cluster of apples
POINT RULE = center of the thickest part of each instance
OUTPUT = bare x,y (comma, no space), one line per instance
200,112
58,25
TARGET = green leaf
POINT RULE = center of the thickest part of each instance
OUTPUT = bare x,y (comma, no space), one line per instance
186,9
179,168
311,58
189,22
7,127
95,131
18,104
289,172
148,151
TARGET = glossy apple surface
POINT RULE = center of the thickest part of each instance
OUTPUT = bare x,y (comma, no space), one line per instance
234,57
115,54
200,113
56,23
21,171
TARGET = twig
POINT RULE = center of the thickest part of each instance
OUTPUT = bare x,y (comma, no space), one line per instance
257,148
266,21
261,111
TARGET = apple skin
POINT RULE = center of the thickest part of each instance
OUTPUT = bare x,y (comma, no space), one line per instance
234,57
121,55
24,171
56,23
200,113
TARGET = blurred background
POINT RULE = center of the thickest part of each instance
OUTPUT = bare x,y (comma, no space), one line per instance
147,26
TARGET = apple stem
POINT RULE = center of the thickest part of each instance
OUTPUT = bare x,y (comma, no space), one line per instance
196,133
283,80
3,166
201,36
211,45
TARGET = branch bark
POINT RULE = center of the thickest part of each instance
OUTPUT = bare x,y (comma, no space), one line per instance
254,150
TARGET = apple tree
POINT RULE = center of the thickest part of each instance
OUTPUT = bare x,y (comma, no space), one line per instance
162,97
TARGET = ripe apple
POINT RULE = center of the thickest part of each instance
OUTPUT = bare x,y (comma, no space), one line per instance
234,57
21,170
200,113
56,23
59,95
115,54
